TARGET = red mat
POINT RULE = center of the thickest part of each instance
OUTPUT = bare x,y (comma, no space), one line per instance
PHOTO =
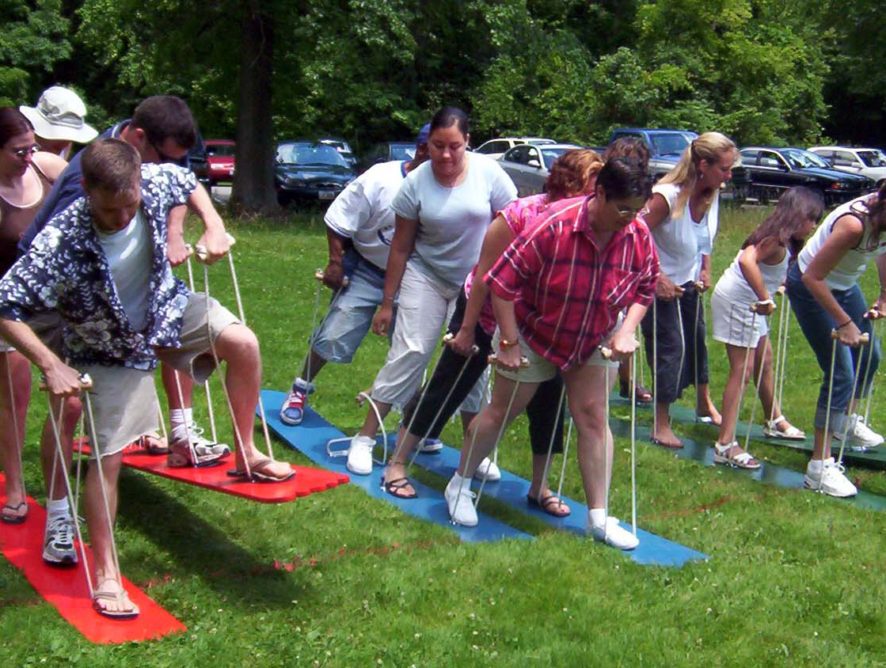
66,590
305,481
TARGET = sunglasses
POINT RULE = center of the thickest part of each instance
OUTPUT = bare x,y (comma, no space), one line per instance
22,152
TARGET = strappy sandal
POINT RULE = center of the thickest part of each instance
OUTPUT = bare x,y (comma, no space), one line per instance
9,513
743,460
396,486
260,472
551,504
128,609
771,430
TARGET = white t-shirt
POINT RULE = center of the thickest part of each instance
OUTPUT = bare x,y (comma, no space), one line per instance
452,221
681,241
362,211
129,254
852,265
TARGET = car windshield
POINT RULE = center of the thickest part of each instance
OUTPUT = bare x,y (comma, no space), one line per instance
309,154
873,158
551,154
402,151
669,143
225,150
800,159
540,142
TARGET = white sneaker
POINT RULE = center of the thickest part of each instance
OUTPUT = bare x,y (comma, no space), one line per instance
488,470
203,446
58,541
428,445
613,535
360,455
830,480
860,434
460,503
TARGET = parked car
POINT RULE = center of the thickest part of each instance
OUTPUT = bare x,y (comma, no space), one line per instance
343,147
309,170
665,146
769,171
869,162
528,165
495,148
220,156
387,151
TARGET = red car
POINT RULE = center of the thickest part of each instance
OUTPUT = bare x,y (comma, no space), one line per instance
220,156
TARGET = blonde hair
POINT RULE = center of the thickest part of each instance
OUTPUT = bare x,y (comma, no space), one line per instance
709,147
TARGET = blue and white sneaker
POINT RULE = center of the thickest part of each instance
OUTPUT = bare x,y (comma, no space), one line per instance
292,412
429,445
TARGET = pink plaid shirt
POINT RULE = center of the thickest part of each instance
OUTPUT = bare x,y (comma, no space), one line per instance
567,292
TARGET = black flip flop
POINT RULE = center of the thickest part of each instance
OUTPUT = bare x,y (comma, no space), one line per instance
393,486
14,519
546,503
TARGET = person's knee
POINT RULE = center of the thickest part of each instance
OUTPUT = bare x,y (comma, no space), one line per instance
589,414
237,342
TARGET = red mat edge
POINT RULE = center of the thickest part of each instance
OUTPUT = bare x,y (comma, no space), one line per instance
65,588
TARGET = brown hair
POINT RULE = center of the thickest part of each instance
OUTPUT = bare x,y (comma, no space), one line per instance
794,207
12,123
873,217
110,164
571,173
165,117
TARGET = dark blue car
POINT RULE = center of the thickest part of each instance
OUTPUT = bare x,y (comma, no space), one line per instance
308,170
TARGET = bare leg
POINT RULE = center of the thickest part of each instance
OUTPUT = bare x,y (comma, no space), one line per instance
15,370
371,424
663,434
168,374
238,347
55,489
312,367
705,405
732,393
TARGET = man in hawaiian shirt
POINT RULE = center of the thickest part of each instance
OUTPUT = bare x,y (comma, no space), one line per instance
102,265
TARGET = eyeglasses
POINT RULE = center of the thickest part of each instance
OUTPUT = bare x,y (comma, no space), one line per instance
625,211
22,152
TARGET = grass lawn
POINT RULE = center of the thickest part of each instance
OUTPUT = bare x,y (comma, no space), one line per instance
342,580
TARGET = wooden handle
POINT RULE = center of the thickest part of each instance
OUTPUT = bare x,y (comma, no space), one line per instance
202,254
863,339
85,383
493,359
450,337
319,275
605,352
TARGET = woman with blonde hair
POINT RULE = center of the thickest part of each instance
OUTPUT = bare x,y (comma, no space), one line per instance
683,216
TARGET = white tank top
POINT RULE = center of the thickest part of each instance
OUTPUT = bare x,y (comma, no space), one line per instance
852,265
735,287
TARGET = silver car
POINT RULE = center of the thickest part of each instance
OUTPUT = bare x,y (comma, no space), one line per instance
528,165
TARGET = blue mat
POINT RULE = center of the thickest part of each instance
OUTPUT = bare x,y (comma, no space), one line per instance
310,439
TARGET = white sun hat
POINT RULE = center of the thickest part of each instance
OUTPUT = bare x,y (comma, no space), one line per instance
59,115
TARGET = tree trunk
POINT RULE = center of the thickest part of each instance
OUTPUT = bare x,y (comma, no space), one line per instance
253,191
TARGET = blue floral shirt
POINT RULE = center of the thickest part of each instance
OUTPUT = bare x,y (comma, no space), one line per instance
66,270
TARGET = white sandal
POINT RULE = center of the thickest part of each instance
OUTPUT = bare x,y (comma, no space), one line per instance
743,460
771,430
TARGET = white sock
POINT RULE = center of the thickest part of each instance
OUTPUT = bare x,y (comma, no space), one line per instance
457,481
179,421
816,465
598,517
57,508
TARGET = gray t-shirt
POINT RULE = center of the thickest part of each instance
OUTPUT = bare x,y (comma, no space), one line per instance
452,221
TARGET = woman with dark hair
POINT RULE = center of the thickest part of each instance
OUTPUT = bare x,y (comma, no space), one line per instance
26,177
473,323
443,210
683,215
559,293
741,301
828,302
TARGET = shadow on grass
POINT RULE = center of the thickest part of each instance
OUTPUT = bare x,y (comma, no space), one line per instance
199,548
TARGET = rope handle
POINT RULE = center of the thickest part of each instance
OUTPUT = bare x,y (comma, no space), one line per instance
85,383
864,339
873,313
763,302
320,275
449,337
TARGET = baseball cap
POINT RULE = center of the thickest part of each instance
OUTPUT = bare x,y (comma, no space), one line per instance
424,134
59,115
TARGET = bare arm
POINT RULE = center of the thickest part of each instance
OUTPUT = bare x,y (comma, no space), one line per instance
624,342
50,164
214,238
176,248
847,233
333,275
749,263
508,354
498,238
654,214
61,379
402,244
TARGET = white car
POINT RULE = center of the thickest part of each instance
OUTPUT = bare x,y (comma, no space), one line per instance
870,162
495,148
528,165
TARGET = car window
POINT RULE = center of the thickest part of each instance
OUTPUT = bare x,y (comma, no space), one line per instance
873,158
310,154
551,154
669,143
844,158
402,151
220,150
518,154
532,154
749,156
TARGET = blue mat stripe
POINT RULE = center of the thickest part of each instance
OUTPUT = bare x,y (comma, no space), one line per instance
311,436
310,439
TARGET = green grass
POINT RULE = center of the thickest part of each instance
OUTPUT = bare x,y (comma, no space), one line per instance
793,578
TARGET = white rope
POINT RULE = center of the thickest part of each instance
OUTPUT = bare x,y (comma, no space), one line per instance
780,354
851,398
606,474
869,381
633,444
699,300
743,387
655,367
315,329
209,408
544,476
759,379
565,457
19,444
